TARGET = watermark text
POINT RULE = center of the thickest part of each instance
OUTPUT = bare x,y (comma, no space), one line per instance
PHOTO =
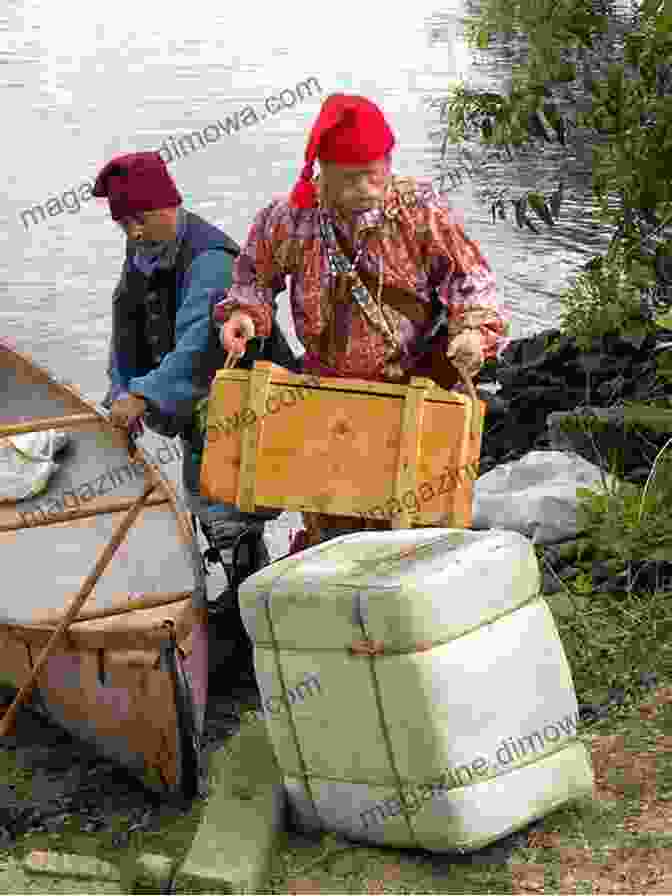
179,147
412,799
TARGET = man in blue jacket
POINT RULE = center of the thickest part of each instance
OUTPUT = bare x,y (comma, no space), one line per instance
164,349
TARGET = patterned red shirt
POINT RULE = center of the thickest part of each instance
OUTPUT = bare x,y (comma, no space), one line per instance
421,241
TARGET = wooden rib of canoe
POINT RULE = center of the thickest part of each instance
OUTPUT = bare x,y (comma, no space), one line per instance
130,674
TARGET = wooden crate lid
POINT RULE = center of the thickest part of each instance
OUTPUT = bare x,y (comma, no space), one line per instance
280,376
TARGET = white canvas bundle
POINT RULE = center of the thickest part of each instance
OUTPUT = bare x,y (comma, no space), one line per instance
461,725
26,463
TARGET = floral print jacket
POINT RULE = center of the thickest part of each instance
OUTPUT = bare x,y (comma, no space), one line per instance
420,239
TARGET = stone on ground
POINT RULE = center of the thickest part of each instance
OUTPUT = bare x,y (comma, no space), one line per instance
234,846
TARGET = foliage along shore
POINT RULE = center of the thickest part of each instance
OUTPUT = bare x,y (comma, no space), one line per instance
602,383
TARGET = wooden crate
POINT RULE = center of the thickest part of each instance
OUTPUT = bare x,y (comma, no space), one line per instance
276,439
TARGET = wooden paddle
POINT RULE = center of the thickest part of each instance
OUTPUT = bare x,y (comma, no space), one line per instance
9,718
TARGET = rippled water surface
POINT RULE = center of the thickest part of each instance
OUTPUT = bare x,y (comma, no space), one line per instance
80,83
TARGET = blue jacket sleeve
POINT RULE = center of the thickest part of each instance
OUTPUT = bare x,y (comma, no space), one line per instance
172,381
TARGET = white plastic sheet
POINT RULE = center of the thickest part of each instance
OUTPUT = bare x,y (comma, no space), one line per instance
27,463
535,495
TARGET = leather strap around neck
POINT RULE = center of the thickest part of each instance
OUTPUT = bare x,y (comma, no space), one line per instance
401,300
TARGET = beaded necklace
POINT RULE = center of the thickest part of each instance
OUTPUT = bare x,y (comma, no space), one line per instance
339,264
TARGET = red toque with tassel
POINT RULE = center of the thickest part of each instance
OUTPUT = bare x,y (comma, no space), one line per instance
350,130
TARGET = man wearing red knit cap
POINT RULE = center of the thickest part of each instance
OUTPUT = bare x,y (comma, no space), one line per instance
369,255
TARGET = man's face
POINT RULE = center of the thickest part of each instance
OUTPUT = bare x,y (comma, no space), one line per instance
355,187
148,228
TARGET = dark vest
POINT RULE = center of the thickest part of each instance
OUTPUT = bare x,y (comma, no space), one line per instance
144,312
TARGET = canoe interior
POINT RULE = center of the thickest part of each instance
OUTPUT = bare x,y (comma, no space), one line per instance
45,565
106,681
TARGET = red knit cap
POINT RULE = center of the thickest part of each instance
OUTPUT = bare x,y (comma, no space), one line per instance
138,182
350,130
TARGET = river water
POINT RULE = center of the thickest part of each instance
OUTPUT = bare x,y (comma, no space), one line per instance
81,83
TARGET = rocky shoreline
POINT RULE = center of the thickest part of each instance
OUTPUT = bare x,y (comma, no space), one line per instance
540,387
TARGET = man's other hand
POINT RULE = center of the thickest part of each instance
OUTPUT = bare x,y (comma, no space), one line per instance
466,351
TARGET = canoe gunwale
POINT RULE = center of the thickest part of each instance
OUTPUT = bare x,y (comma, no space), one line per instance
139,602
147,630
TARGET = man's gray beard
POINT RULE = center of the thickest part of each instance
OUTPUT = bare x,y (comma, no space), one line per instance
166,250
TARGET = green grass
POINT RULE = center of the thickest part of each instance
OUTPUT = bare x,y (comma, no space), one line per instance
319,865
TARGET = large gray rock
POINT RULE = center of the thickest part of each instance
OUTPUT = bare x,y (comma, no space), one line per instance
535,495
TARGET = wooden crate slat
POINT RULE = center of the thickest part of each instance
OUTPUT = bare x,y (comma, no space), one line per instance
410,439
250,443
284,377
